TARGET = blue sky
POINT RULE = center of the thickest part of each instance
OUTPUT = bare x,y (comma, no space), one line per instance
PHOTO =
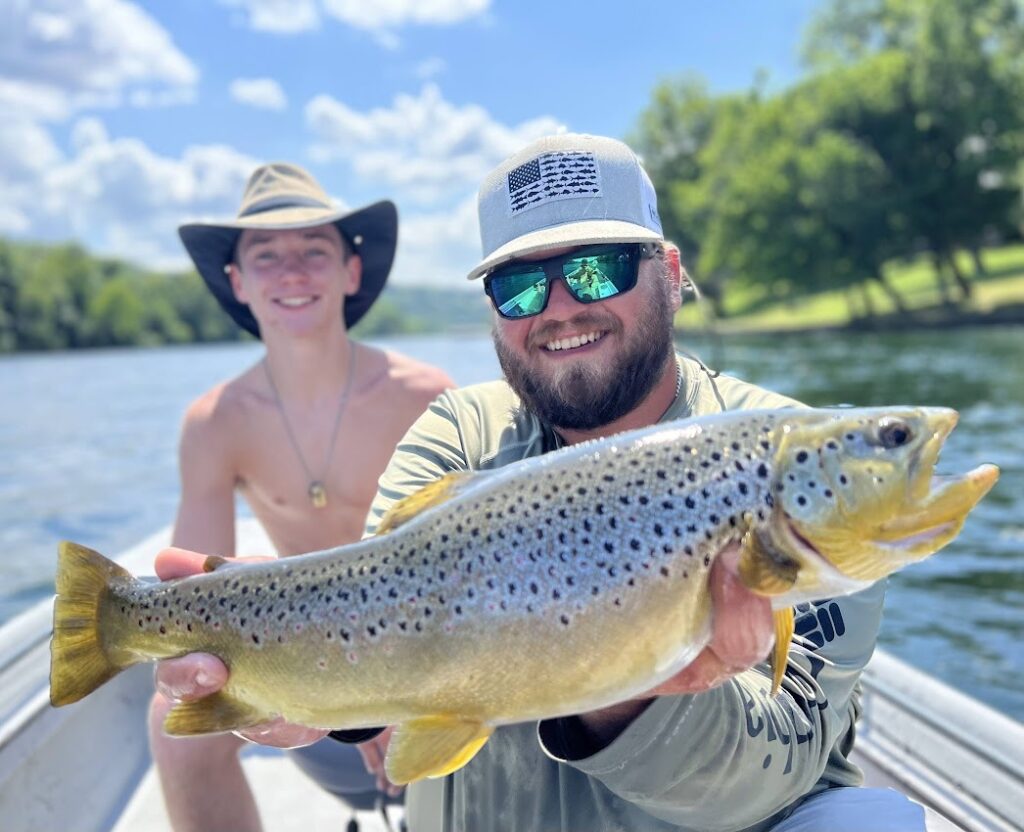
121,119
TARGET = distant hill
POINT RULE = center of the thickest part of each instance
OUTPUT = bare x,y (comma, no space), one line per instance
428,310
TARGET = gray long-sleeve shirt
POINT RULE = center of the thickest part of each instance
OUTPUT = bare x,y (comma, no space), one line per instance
733,758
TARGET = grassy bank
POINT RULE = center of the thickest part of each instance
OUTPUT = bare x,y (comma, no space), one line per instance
997,294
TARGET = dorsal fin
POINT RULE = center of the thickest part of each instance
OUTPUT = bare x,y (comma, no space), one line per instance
430,495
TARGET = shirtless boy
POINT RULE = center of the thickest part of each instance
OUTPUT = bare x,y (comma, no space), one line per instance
303,434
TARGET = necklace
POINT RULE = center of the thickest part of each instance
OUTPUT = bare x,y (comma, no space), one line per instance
317,491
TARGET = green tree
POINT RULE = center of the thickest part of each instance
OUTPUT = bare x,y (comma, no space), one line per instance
794,207
8,299
671,135
933,88
117,313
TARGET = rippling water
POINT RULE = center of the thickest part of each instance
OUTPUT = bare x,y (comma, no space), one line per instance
87,452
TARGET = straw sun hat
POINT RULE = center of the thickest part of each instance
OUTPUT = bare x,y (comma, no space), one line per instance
283,196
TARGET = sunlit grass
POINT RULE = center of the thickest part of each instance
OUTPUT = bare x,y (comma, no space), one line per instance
752,308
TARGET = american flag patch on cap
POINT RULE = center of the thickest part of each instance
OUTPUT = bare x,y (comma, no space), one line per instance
553,176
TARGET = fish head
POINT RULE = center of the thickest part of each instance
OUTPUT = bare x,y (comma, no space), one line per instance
855,495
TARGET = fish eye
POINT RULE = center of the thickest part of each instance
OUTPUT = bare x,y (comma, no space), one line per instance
892,433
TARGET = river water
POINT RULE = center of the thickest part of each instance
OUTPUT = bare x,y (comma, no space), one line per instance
87,453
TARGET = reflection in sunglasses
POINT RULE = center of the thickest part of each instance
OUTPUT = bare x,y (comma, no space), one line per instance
527,301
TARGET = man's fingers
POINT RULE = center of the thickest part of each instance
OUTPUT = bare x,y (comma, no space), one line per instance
742,630
373,753
173,562
178,563
190,677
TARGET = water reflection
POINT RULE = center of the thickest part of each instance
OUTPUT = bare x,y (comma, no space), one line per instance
960,614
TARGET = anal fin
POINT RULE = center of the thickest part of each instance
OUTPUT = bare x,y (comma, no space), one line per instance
212,714
784,627
433,746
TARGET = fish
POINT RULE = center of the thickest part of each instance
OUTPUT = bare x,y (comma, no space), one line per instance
552,586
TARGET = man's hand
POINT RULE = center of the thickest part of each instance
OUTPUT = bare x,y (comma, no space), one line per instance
373,752
200,674
742,631
742,635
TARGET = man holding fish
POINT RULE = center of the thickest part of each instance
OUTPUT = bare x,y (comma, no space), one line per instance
571,639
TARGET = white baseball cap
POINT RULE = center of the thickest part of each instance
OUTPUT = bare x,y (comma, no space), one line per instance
565,190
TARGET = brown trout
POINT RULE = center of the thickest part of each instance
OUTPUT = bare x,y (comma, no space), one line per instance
592,560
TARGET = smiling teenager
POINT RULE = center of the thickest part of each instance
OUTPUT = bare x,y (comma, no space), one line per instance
302,435
584,289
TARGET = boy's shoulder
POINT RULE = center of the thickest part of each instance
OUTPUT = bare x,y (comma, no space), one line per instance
226,405
409,375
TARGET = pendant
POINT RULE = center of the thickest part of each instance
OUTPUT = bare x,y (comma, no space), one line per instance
317,494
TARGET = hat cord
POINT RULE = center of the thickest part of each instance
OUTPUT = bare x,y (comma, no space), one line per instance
317,489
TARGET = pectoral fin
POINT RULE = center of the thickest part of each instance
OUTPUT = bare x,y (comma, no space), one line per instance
430,495
433,746
784,624
763,568
212,714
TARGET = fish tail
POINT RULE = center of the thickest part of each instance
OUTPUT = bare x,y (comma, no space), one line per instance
78,661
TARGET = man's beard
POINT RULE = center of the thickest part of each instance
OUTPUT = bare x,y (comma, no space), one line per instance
585,397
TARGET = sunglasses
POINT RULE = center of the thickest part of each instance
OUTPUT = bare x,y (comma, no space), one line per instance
594,273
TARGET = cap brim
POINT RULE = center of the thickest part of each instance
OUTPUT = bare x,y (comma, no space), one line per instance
371,231
582,233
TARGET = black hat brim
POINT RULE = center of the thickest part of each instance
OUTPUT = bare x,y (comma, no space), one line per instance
372,233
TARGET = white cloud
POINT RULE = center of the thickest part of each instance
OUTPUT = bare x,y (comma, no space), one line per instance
284,17
86,51
385,14
430,68
119,197
425,146
378,16
262,93
438,249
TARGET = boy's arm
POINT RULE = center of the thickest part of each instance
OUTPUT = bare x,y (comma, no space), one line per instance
206,510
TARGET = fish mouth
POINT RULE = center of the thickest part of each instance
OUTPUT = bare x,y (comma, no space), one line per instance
942,508
936,505
800,542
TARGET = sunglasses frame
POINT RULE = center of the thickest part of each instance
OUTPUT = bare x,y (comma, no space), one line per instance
552,268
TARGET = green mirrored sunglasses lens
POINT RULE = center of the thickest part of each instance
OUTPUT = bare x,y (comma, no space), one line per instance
519,292
599,276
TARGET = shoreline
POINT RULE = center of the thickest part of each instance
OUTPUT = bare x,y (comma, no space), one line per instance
931,318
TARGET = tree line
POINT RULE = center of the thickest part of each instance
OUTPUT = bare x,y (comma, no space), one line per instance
904,138
61,297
